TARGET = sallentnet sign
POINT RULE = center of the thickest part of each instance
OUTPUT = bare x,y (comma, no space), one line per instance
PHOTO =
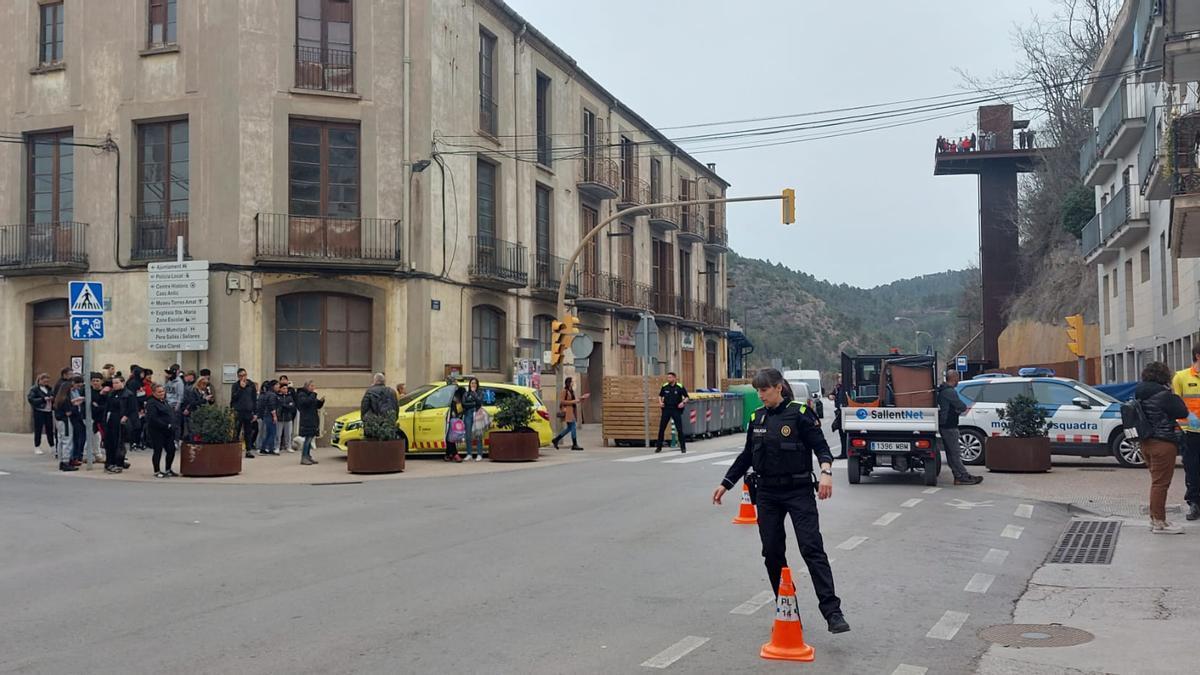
177,306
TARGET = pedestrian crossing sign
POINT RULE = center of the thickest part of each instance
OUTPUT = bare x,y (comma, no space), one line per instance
86,298
85,328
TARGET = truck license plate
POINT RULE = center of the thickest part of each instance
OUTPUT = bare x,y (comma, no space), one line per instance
891,446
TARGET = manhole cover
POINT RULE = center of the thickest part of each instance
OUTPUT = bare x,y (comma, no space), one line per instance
1035,635
1086,542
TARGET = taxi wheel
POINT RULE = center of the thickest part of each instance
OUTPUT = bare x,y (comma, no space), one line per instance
852,470
970,443
1127,452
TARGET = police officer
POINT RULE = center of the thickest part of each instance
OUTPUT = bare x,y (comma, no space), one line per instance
672,397
779,445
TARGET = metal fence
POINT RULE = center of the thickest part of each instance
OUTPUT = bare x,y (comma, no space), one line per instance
325,69
41,244
281,236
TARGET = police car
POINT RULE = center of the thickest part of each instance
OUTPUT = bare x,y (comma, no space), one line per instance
1084,422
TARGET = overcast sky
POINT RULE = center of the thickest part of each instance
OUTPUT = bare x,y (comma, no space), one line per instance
869,208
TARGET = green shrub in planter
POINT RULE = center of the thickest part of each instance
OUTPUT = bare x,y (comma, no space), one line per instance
378,427
514,414
1023,418
211,424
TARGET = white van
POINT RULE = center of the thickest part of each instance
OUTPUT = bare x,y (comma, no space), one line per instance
812,381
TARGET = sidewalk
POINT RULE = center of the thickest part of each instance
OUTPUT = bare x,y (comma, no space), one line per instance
16,453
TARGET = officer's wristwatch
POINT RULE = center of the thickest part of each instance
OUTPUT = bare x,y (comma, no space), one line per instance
826,472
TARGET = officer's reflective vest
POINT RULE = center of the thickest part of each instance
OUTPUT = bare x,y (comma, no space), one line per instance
1186,383
776,446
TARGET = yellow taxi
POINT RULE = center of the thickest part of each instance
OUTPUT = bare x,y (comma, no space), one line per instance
422,418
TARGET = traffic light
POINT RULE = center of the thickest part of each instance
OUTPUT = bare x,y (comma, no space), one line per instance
564,333
1075,334
789,206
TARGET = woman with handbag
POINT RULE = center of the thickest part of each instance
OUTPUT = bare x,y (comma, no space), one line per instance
472,403
567,413
456,426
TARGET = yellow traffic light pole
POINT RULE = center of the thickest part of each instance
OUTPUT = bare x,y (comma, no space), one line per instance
1076,343
787,196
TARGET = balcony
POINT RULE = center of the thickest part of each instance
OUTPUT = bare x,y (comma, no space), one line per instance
496,263
691,312
43,248
632,298
634,192
1181,51
691,225
288,241
597,290
489,115
1121,123
548,273
325,69
1093,169
665,218
717,239
1148,31
1185,202
599,178
1155,185
714,317
156,237
1121,223
666,305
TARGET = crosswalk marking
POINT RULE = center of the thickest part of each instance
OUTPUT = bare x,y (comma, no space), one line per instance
639,458
1024,511
700,458
675,652
754,604
4,473
980,583
905,669
947,627
995,556
1012,531
851,543
930,491
886,519
725,462
908,504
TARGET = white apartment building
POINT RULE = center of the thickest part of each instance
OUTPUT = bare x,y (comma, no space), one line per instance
1143,93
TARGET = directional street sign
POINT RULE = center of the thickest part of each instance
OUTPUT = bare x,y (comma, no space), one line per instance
175,303
178,289
85,298
180,332
646,338
178,315
179,346
85,328
177,306
180,266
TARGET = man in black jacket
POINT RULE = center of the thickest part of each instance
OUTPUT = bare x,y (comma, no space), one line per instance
379,399
950,406
120,411
243,396
672,397
285,428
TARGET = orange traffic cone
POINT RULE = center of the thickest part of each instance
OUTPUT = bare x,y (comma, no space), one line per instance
747,514
787,636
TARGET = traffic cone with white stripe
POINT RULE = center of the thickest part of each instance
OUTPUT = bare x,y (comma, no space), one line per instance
787,636
747,514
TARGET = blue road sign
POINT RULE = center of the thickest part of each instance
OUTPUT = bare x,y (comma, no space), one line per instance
960,364
85,298
84,328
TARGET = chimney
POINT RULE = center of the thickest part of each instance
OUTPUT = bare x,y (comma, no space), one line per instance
712,166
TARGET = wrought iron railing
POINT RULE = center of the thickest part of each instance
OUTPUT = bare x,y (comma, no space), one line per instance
325,69
601,170
548,273
596,286
500,260
43,244
158,236
635,191
327,238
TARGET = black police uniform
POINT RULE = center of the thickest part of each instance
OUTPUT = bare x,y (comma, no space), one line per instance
672,395
779,445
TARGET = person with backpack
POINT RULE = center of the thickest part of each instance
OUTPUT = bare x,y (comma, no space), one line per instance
1155,416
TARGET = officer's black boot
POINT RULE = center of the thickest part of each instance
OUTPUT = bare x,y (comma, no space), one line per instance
837,623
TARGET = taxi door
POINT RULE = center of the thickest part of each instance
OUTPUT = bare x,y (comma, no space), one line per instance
429,419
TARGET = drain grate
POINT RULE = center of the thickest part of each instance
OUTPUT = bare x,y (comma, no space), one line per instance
1087,542
1035,635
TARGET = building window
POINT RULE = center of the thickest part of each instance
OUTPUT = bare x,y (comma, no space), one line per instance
1163,257
589,139
50,51
542,221
323,178
625,249
162,190
161,23
485,200
1106,302
685,273
51,178
1145,264
629,172
543,334
710,273
1129,293
1174,280
591,250
323,330
487,83
543,121
325,45
656,194
487,328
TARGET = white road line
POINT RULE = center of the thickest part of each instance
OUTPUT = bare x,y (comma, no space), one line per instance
947,626
905,669
675,652
980,583
725,462
851,543
5,473
1012,531
688,459
639,458
887,518
995,556
930,491
754,604
908,504
1024,511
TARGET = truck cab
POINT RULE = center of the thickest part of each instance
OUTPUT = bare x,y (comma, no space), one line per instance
890,419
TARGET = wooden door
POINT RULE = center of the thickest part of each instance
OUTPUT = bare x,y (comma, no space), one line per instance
710,363
52,344
689,370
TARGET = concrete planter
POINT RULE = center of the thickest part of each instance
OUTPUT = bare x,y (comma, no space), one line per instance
376,456
1003,453
513,446
211,459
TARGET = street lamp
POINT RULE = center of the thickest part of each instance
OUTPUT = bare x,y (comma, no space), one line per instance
916,333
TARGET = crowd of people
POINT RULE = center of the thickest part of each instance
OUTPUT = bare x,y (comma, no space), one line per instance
135,413
983,142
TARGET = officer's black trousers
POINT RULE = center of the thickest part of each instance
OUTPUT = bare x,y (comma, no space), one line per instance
799,502
671,415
